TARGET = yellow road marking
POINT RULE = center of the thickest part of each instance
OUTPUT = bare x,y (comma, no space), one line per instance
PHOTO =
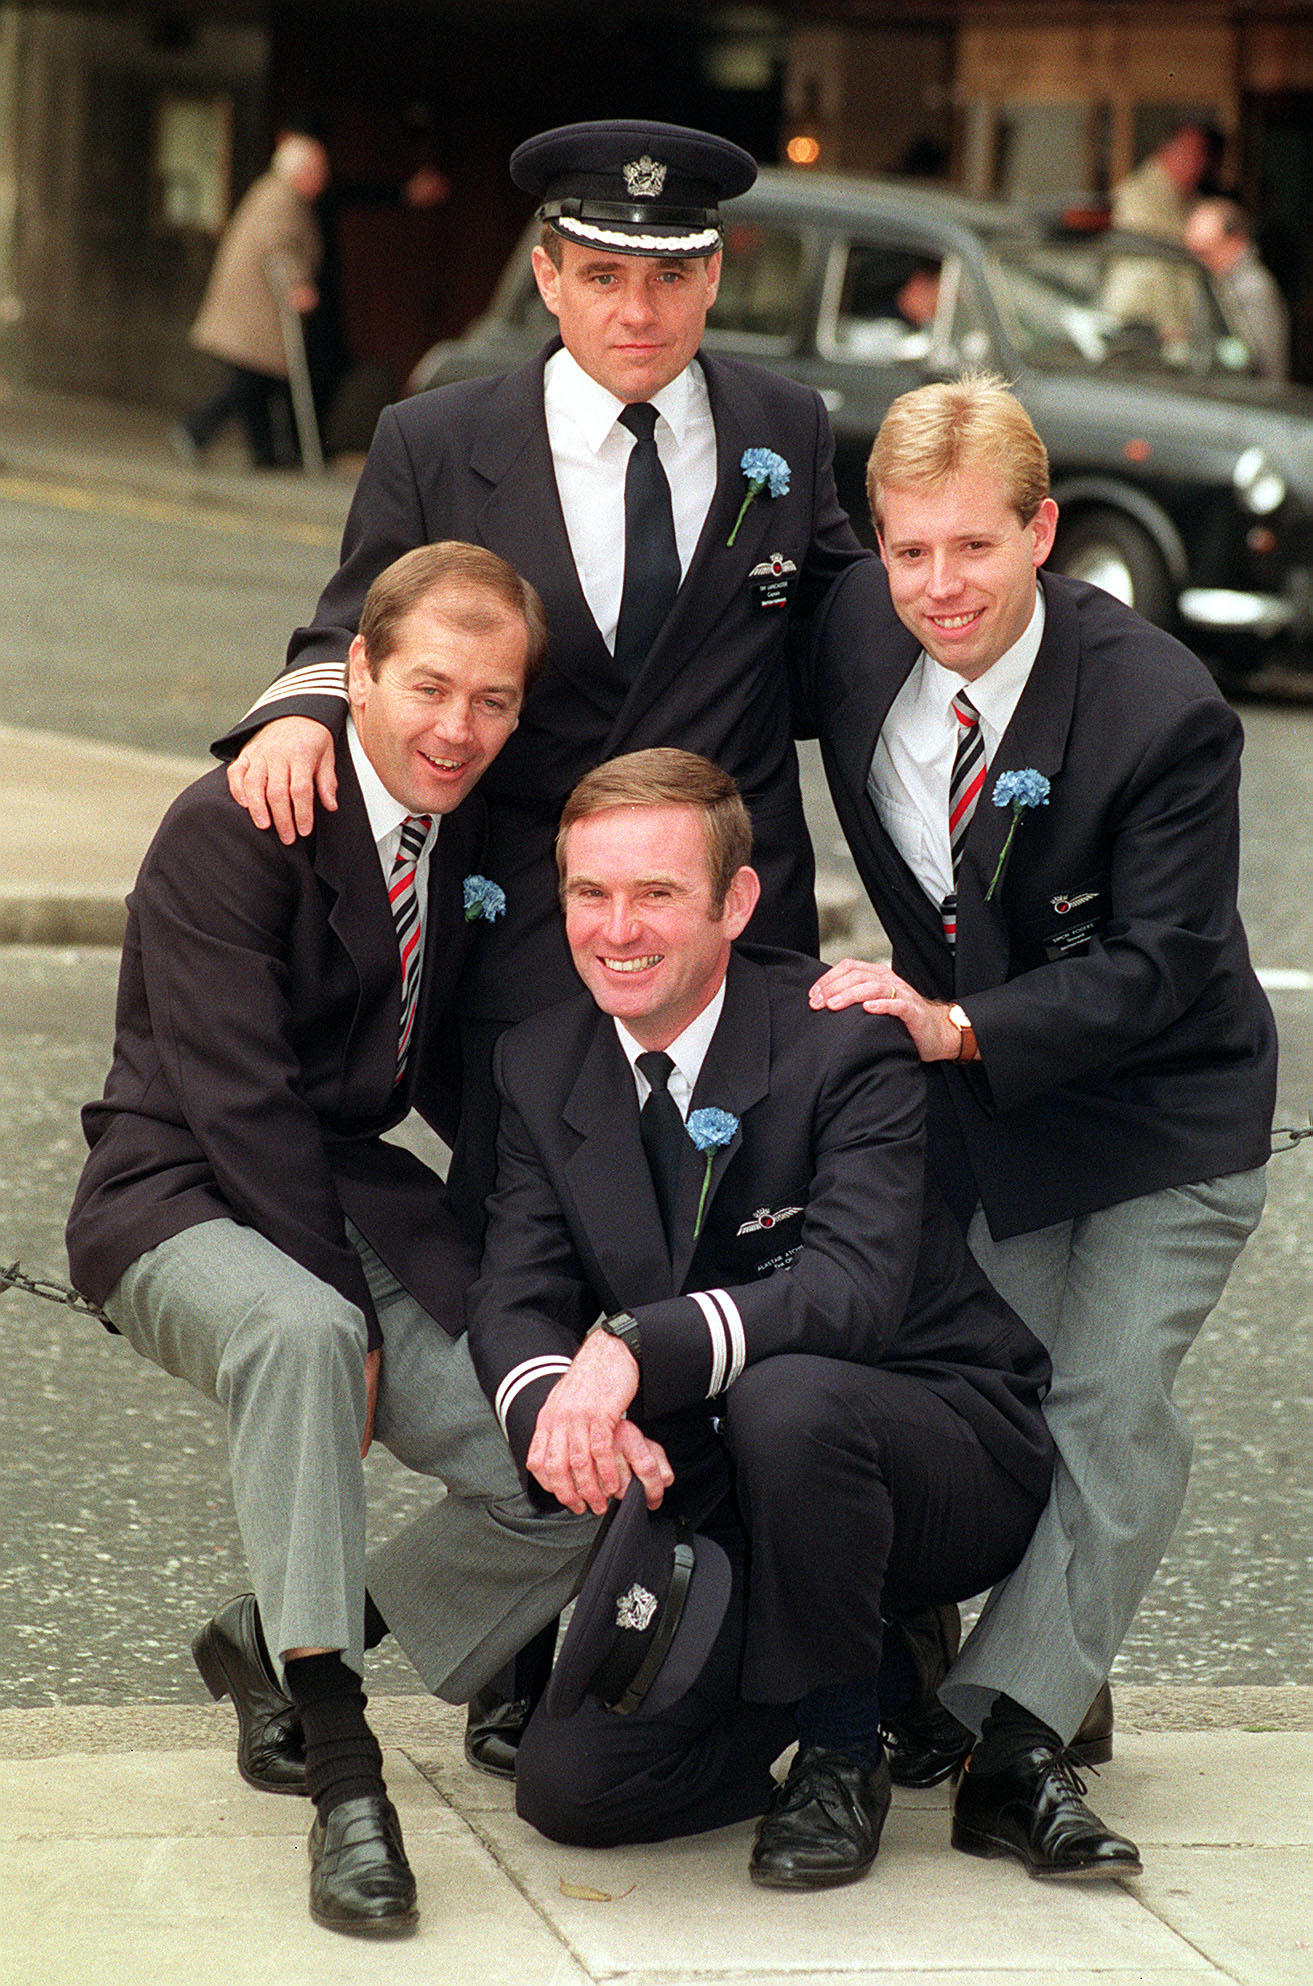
157,510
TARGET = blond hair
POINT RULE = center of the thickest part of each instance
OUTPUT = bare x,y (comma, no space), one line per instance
667,777
936,432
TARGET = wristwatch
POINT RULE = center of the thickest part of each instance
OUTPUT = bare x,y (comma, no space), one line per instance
624,1327
967,1051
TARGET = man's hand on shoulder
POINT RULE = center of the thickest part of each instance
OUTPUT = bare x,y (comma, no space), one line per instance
280,772
877,989
584,1451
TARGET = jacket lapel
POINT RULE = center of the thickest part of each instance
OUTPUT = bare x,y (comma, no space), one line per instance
734,1076
608,1173
523,519
1036,738
346,863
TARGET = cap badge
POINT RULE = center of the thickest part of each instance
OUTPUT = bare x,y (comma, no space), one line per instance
636,1608
644,178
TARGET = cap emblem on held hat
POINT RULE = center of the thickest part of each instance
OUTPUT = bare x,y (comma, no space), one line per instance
644,178
636,1608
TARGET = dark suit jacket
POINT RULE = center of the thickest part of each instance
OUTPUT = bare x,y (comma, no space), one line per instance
1126,1045
472,461
818,1234
256,1049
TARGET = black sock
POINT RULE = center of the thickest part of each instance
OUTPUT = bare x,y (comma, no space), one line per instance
376,1628
843,1717
1010,1732
342,1757
899,1679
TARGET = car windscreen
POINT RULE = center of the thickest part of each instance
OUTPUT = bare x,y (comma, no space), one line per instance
1102,304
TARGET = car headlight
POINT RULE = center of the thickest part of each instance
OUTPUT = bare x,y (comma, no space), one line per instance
1260,487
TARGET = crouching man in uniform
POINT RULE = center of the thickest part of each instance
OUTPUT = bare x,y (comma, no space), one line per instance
795,1352
244,1225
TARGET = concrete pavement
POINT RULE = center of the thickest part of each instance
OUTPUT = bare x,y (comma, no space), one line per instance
135,1853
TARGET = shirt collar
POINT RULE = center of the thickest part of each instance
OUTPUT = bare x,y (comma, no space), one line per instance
995,694
688,1051
384,813
596,410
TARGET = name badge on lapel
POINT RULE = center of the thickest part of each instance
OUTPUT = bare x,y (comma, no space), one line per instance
1084,914
771,580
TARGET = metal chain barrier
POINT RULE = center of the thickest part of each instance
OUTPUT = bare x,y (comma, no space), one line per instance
13,1278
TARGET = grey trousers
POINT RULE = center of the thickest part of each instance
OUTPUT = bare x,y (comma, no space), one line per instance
1117,1297
284,1356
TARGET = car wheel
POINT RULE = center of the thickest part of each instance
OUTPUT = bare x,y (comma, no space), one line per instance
1113,552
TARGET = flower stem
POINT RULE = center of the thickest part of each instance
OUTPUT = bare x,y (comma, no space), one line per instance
706,1181
754,489
1016,816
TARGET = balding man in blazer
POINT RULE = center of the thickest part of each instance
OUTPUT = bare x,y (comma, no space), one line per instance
246,1225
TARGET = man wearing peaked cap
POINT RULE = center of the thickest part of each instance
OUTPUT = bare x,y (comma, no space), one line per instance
798,1367
661,630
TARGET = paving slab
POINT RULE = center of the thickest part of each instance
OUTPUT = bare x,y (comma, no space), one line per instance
154,1863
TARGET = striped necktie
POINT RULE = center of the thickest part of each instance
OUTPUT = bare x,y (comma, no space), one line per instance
404,898
964,791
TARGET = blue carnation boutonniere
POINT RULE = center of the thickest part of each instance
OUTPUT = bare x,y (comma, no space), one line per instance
1018,790
710,1130
483,899
765,470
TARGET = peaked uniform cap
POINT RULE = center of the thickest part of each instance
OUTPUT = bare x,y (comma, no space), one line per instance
652,1600
633,188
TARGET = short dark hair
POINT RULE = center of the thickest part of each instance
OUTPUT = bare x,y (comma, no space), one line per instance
462,572
667,777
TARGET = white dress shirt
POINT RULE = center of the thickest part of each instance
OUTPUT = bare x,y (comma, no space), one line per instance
913,763
385,816
590,453
688,1051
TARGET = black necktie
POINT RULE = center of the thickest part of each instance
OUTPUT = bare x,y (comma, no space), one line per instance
662,1130
651,556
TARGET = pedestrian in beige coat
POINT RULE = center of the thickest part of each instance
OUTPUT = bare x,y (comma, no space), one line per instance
269,255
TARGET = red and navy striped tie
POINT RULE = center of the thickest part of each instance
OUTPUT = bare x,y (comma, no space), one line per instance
964,791
404,899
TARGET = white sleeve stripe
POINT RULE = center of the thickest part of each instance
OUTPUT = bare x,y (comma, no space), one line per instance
738,1343
315,679
524,1375
719,1342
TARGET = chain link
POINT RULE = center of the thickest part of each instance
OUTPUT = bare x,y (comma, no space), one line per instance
12,1278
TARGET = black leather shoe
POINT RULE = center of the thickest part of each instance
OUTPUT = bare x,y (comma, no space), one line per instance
497,1715
926,1744
493,1729
1033,1809
360,1880
823,1824
270,1747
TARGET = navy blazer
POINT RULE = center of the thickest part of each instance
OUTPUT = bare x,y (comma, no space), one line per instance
255,1052
819,1234
472,461
1125,1043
